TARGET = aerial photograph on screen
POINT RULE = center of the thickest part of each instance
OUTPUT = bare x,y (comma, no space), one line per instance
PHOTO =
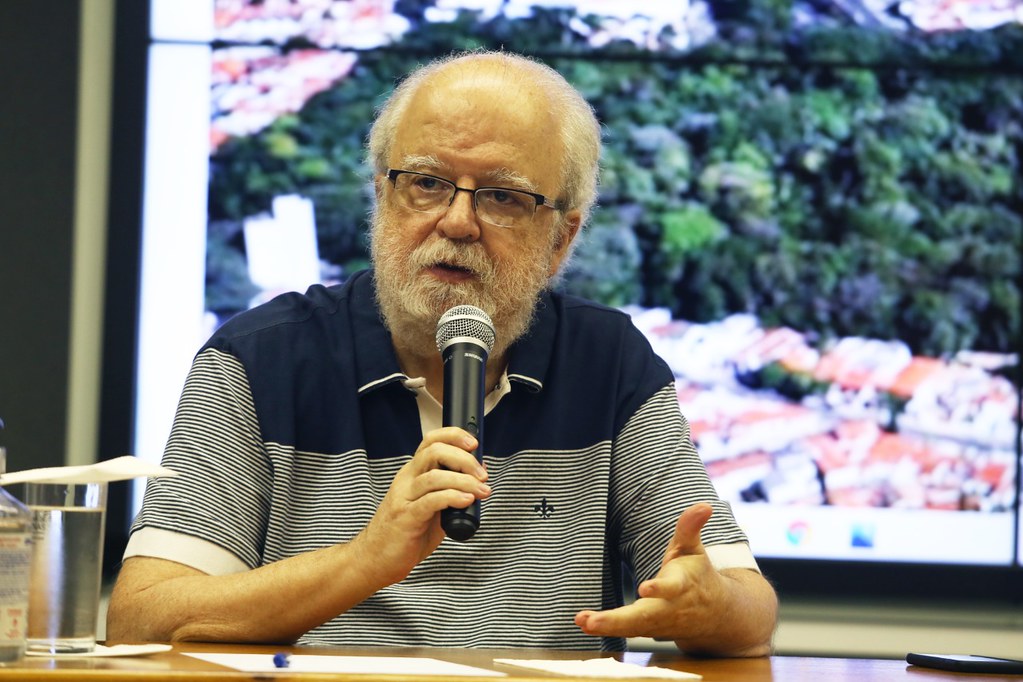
812,210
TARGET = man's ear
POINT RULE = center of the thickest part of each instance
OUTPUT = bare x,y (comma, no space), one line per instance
566,235
378,186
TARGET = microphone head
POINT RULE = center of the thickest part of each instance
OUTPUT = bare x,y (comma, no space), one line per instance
465,321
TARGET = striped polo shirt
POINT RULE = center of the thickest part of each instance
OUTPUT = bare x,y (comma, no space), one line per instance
295,417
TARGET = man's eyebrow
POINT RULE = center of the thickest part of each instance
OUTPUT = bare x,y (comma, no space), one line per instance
505,176
497,177
428,163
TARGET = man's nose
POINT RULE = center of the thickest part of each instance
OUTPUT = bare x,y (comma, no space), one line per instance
460,221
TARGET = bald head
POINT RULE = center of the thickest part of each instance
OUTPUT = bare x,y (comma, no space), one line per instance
524,92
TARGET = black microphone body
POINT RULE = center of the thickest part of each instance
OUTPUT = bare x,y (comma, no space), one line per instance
465,366
465,339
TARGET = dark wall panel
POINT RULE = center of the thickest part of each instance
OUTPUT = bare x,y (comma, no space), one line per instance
39,44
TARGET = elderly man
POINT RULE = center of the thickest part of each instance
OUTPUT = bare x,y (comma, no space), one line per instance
314,467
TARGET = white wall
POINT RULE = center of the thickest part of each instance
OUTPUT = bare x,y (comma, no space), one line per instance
95,70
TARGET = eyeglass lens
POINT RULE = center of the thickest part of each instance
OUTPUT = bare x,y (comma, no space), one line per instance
505,207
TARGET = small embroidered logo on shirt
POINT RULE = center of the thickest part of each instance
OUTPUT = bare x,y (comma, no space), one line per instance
543,509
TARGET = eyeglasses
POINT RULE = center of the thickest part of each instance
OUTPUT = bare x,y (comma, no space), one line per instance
497,205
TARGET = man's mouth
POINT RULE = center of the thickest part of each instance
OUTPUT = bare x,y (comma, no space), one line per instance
451,272
454,268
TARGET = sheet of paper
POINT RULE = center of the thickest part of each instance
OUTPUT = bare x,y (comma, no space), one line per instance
378,665
598,667
117,469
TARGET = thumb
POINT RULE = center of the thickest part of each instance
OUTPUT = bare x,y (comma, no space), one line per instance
686,540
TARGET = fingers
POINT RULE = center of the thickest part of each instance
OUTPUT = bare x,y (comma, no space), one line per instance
435,482
583,621
449,448
661,602
638,619
679,590
443,472
686,540
406,526
669,583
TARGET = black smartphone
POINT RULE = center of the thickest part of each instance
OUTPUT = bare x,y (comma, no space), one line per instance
967,663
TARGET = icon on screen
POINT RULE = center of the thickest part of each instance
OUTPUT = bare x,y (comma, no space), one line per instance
798,532
863,535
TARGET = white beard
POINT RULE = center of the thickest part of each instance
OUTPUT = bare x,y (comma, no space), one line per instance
411,302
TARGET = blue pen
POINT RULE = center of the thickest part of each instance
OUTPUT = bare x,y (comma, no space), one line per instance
281,660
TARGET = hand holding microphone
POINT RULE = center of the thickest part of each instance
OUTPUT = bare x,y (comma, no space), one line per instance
465,338
404,530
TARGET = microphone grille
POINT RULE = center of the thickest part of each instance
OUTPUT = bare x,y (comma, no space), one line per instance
462,321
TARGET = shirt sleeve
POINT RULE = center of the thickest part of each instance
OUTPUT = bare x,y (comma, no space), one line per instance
221,495
184,549
733,555
657,474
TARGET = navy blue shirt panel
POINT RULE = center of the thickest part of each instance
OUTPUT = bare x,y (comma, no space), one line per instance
315,352
582,353
310,354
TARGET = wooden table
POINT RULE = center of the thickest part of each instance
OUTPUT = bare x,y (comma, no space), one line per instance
175,666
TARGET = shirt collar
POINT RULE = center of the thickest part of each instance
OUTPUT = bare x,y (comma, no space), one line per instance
530,357
377,364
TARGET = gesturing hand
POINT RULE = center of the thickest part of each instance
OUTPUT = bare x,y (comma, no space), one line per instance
681,602
406,527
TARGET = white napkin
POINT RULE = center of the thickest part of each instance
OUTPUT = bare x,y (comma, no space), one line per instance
598,667
117,469
106,651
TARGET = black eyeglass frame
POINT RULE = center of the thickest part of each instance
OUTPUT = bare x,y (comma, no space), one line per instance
540,199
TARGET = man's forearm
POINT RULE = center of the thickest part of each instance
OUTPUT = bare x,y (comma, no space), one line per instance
157,600
744,620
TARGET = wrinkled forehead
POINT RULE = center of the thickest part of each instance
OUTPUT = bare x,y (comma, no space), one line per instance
490,90
483,113
513,81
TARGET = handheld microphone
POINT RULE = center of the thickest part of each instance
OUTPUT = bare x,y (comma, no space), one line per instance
465,337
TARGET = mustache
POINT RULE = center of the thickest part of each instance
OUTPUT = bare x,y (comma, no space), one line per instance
464,256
